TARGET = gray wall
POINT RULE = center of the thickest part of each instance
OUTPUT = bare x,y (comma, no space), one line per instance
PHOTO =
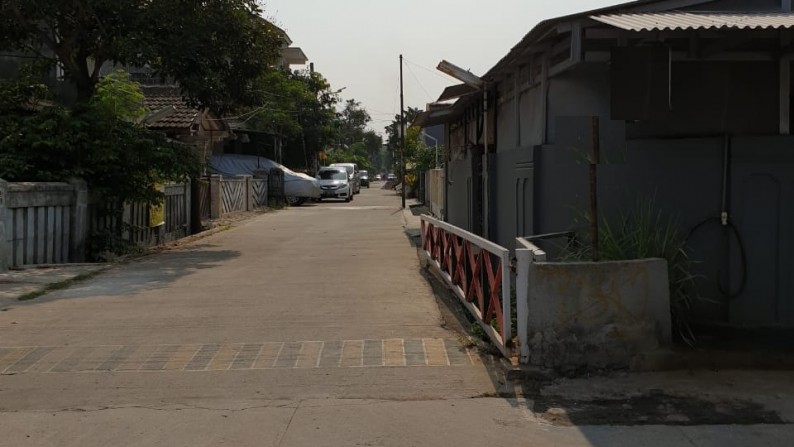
515,185
685,178
459,193
710,98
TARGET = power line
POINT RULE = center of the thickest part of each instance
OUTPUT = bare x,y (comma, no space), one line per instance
429,96
435,72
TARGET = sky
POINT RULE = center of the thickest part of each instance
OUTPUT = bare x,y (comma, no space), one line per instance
356,44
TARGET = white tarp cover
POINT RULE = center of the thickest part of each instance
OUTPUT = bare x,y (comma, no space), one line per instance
296,184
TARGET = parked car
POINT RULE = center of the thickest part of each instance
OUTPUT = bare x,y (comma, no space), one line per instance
391,177
377,177
352,174
334,183
363,178
298,187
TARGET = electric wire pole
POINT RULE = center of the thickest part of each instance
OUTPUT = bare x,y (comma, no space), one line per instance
402,135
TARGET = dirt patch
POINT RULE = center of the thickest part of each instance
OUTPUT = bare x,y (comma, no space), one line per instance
655,408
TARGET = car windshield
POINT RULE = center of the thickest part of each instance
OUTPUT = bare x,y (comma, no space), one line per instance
349,168
329,174
362,173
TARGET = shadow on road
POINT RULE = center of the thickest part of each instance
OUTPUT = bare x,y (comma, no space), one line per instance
150,272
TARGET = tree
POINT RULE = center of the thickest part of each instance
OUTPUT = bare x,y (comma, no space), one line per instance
418,156
393,135
119,159
352,122
296,105
213,48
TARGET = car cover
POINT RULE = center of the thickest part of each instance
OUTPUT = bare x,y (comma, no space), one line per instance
296,184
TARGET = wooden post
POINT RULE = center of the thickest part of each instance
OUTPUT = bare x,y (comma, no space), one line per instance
594,188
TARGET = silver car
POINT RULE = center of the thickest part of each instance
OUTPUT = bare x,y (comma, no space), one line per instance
352,173
334,184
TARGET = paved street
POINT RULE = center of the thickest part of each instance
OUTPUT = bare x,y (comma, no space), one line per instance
308,326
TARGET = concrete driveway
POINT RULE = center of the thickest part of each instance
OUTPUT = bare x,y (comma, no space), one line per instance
308,326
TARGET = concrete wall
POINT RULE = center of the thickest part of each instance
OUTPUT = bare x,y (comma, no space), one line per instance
42,223
596,315
684,177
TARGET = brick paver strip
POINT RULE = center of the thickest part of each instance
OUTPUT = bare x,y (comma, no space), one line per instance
117,358
181,357
48,361
288,356
160,358
414,352
456,353
309,355
247,356
352,354
373,352
69,364
4,352
331,355
268,355
95,358
224,358
202,358
435,352
29,360
393,352
138,358
15,355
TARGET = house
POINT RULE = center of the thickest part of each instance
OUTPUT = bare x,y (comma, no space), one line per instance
170,114
688,102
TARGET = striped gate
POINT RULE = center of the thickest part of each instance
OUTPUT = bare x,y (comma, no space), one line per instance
232,195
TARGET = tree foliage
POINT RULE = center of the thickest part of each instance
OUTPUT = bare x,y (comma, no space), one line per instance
118,158
295,105
213,48
418,156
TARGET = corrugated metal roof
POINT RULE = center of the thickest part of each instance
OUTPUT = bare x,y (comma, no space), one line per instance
680,20
456,91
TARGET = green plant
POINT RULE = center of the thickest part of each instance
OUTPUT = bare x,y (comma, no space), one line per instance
644,232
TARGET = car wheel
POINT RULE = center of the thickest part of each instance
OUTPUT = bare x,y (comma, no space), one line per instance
320,199
348,199
295,201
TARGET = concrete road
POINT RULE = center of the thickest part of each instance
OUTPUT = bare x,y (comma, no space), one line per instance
308,326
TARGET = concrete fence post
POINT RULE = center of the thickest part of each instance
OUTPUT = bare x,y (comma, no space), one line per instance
79,220
523,261
5,228
215,196
249,193
188,188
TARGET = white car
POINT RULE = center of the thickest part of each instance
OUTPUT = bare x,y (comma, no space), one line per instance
335,184
298,187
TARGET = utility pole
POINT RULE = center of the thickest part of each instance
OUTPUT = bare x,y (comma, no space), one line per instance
402,134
